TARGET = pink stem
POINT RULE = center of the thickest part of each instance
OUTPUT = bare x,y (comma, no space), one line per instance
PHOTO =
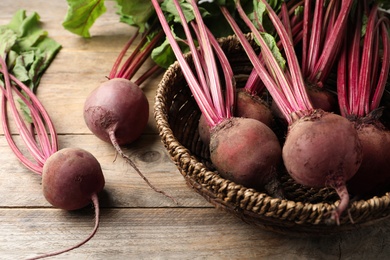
21,126
212,71
38,105
332,44
276,93
40,154
384,72
119,59
30,165
204,105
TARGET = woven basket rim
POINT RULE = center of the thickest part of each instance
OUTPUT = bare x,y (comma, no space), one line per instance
178,152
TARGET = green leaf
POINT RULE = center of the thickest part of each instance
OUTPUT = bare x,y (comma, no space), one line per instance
135,12
271,43
168,6
163,55
7,40
29,49
82,14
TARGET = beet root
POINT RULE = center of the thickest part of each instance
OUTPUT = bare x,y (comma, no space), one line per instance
373,175
323,150
247,106
245,151
322,99
70,177
252,106
119,106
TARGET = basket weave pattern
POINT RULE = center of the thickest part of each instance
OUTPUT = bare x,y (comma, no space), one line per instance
303,210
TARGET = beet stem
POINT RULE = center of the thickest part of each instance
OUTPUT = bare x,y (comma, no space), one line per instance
95,201
114,69
132,164
147,74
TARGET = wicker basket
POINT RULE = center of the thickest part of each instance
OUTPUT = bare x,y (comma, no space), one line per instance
304,210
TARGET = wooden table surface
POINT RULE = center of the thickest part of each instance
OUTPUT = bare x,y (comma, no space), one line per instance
136,222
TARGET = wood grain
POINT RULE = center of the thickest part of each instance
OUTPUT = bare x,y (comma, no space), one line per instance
136,222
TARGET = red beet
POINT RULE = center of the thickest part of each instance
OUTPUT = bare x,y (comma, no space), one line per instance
117,111
245,151
323,149
70,177
374,173
246,106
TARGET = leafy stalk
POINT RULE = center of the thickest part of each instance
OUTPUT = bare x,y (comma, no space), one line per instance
360,82
217,108
285,86
322,40
41,149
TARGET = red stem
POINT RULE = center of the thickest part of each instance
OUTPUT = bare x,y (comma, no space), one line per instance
315,35
206,108
364,87
147,74
384,24
331,45
141,56
342,89
44,148
365,72
119,59
276,93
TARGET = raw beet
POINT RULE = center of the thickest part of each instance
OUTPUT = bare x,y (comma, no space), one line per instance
323,150
374,173
70,177
247,106
245,151
118,106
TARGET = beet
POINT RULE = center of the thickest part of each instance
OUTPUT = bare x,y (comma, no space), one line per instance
245,151
70,177
323,150
117,111
373,175
247,106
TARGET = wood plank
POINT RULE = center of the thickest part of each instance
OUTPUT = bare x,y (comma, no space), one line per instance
136,222
173,234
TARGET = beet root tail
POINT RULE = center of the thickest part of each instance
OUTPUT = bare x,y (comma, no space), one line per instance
132,164
341,189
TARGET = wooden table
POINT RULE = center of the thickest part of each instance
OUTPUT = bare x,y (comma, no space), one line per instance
136,222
